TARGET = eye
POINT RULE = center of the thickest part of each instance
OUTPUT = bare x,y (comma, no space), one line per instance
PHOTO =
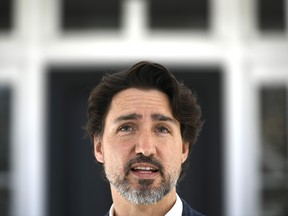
162,129
125,128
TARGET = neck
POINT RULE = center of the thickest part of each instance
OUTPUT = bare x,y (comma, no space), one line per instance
122,207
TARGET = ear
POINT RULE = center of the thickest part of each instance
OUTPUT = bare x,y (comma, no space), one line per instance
98,149
185,151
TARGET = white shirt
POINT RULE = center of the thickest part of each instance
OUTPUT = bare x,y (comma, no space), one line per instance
176,209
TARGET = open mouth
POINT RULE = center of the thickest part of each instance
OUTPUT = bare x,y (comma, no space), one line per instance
145,171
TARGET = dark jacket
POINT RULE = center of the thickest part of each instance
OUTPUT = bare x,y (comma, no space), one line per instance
187,210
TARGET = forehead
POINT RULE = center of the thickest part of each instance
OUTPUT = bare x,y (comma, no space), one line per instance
134,100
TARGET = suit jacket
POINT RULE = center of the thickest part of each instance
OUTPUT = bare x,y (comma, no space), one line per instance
187,210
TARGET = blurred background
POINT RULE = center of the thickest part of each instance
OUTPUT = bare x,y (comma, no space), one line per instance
232,53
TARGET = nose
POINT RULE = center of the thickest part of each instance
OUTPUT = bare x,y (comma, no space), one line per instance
145,144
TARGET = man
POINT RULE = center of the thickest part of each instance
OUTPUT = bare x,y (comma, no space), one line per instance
143,123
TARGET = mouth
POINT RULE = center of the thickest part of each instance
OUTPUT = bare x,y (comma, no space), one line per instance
145,171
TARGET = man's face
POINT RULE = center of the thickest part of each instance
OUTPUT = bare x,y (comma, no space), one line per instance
141,148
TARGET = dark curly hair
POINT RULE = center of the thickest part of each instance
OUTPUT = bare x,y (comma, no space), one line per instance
146,75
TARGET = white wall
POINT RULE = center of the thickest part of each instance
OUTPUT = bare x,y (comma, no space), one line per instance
247,57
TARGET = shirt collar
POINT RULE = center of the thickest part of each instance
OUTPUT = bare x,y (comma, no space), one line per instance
176,209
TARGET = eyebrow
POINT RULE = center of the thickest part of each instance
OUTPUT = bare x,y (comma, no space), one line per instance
133,116
160,117
154,117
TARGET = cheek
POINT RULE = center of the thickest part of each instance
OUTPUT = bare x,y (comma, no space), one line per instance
113,164
175,147
116,154
171,153
120,146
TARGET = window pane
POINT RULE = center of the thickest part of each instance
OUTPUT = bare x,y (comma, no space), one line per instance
5,14
274,150
179,14
4,128
90,14
271,15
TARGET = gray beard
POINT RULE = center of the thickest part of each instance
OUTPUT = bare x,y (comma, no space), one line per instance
144,193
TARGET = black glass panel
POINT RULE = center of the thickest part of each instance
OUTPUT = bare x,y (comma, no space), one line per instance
182,14
75,184
90,14
205,162
274,151
4,128
5,14
4,202
271,15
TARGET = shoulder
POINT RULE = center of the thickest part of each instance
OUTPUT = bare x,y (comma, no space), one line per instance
188,211
107,214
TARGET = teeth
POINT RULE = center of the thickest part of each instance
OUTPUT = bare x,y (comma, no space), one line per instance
144,168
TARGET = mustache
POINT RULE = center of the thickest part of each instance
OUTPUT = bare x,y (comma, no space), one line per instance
144,159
